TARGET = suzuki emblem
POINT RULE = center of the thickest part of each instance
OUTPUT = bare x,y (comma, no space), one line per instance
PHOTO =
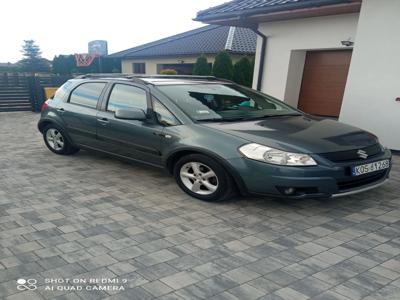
362,154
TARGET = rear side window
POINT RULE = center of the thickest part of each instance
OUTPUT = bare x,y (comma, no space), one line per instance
127,96
87,94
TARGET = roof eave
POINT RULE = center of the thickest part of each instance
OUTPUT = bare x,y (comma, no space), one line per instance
249,18
185,55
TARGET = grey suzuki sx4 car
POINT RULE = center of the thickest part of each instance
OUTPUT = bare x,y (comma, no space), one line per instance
216,138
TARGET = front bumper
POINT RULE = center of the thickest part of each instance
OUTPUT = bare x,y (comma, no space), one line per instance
327,179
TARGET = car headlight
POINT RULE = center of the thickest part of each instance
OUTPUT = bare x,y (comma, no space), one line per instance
275,156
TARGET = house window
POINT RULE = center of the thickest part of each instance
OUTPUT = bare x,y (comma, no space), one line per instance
139,68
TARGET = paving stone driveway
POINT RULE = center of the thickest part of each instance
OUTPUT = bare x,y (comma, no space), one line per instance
88,216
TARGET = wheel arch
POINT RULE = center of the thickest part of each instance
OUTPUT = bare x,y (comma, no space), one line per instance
45,122
178,154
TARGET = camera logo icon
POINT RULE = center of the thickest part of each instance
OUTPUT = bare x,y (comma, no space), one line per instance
26,284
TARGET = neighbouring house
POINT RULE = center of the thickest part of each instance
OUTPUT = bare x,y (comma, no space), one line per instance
180,51
338,58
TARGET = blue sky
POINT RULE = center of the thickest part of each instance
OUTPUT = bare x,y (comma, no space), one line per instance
65,27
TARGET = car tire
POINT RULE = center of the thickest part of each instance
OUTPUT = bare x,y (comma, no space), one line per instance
56,140
204,178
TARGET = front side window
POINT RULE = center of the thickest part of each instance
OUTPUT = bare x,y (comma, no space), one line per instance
163,115
127,96
224,102
87,94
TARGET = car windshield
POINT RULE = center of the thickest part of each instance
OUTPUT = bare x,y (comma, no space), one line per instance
224,102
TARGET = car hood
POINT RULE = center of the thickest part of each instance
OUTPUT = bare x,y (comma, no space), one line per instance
307,134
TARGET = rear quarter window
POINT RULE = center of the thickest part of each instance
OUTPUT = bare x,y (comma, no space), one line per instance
63,91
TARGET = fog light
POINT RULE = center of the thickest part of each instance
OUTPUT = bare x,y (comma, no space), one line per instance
289,191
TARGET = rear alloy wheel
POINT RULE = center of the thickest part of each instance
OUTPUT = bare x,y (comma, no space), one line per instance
56,141
203,178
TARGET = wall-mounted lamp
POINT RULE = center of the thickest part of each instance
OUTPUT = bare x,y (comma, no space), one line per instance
347,43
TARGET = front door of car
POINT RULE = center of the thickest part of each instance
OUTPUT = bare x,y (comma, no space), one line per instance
79,112
135,139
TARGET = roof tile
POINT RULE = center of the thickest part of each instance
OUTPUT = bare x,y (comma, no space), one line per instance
208,39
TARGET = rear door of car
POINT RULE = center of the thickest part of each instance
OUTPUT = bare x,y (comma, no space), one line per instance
79,112
135,139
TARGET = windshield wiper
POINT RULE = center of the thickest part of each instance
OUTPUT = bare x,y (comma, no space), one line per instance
220,120
272,116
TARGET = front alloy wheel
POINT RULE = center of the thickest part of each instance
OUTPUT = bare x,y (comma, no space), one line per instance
199,178
204,178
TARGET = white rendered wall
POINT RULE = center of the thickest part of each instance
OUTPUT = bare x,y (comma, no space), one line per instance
374,78
287,44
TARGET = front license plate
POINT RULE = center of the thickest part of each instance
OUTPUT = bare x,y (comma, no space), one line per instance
371,167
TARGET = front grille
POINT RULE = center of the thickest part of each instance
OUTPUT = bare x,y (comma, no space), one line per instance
351,155
354,182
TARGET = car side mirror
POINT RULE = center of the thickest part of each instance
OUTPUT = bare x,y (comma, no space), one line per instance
130,114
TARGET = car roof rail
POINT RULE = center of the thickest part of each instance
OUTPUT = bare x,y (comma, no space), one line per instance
110,75
102,75
193,77
140,77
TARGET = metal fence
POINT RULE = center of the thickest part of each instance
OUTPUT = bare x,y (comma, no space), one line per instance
20,88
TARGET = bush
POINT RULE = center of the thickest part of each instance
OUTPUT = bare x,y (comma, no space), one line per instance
243,72
201,67
223,67
168,72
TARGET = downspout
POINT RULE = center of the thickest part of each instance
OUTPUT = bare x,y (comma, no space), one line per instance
262,57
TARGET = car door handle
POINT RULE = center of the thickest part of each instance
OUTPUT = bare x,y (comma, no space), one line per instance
61,110
167,136
103,121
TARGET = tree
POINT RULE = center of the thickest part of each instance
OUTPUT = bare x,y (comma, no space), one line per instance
223,67
201,67
243,72
32,60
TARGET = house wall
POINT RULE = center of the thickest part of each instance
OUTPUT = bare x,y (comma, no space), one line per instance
151,64
374,76
288,42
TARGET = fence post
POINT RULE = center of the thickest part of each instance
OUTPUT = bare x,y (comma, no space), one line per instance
32,93
39,94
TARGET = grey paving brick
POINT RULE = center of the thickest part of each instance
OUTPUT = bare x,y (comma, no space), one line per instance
281,277
351,290
181,279
157,288
97,262
246,291
311,248
121,268
156,257
209,269
310,286
217,284
157,271
264,285
241,275
288,294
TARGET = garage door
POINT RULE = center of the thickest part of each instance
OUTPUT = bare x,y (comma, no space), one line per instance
324,81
